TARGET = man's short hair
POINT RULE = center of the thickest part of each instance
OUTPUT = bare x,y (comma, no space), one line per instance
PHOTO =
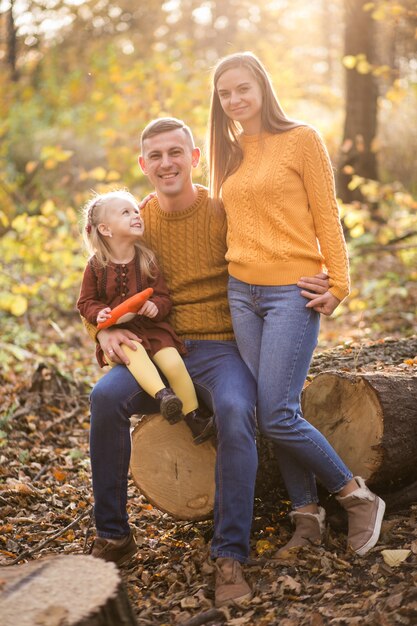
164,125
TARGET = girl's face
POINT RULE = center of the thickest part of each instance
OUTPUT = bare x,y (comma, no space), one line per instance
241,98
122,219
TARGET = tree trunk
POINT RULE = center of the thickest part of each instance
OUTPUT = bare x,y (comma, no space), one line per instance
369,418
357,154
173,473
371,421
11,55
74,590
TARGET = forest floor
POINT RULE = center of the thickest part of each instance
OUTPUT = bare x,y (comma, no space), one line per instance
46,503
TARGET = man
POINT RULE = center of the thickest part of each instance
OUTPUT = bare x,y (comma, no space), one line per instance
188,235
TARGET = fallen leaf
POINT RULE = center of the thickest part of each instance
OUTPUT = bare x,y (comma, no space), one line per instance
393,558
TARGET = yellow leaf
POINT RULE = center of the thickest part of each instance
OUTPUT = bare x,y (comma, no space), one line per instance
357,231
355,182
4,219
379,14
113,175
48,208
18,306
368,6
263,545
349,61
100,116
98,173
397,10
20,223
363,67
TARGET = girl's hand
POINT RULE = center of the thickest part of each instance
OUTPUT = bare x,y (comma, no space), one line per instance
103,315
149,309
145,200
324,304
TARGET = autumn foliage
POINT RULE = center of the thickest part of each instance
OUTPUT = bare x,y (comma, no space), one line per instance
74,99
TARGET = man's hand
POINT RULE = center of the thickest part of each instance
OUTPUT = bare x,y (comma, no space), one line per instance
324,304
315,285
146,199
318,294
111,340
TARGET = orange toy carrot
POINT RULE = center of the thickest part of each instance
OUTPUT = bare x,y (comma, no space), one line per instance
127,310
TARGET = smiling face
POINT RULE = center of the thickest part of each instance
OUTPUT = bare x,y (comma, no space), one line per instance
167,159
121,219
241,99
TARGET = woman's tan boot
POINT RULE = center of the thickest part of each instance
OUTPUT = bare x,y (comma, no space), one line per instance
309,528
365,513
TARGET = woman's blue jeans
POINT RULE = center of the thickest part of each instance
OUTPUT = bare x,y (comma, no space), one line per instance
276,335
224,382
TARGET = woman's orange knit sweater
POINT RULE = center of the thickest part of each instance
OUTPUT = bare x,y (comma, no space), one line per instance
283,218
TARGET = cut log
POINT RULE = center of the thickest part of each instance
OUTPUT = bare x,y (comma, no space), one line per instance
71,590
371,421
173,473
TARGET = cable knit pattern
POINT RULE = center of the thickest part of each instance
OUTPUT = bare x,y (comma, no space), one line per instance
283,219
190,246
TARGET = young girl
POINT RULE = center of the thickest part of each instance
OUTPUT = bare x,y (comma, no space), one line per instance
276,183
120,266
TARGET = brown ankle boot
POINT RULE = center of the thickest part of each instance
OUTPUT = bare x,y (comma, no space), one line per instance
230,584
118,551
309,528
365,513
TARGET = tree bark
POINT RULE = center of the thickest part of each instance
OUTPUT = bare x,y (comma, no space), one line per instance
357,155
74,590
11,55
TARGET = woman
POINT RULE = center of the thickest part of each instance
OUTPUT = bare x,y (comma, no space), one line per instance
275,180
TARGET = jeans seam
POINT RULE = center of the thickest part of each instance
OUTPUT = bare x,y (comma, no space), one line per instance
298,414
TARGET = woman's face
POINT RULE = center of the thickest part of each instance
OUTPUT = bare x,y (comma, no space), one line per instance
240,96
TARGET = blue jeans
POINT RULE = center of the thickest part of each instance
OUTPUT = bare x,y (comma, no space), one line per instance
276,335
222,381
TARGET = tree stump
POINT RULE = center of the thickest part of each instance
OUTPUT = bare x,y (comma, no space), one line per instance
174,474
70,590
371,421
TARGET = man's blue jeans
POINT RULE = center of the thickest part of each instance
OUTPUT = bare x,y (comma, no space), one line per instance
224,382
276,335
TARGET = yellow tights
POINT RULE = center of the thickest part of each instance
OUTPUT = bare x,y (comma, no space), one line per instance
171,365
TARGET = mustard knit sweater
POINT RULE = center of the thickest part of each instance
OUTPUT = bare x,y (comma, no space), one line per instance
283,219
190,246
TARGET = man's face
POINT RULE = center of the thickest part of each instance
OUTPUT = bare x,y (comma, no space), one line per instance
167,161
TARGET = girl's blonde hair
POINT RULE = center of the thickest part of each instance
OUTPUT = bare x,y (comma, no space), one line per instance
225,153
97,245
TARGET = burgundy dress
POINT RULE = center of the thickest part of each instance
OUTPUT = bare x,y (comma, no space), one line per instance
111,285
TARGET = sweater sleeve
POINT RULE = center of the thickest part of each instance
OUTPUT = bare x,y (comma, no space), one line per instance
161,296
319,183
88,303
